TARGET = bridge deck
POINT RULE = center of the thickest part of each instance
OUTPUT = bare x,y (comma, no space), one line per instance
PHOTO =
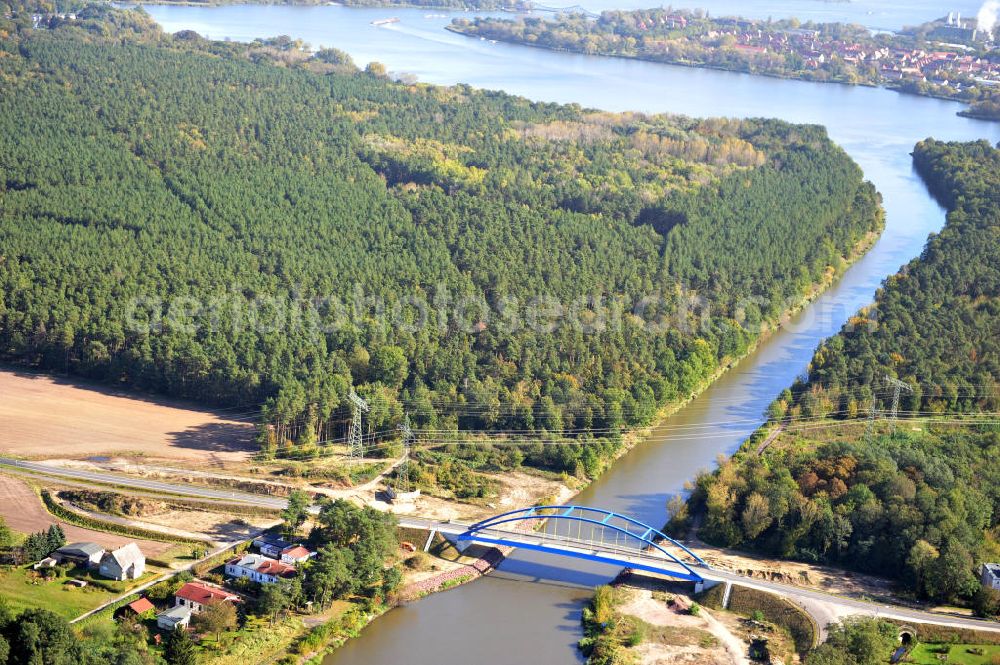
648,560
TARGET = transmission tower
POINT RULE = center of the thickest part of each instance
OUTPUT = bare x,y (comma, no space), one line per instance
403,470
355,439
870,427
897,386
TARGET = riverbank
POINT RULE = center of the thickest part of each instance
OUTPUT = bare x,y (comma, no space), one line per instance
900,87
491,558
635,437
300,3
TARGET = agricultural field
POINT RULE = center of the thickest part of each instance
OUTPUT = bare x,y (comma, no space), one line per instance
23,511
42,416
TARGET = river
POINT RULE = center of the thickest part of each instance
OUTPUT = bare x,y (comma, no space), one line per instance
528,611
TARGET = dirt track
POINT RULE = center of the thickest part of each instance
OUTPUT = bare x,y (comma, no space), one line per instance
45,417
24,512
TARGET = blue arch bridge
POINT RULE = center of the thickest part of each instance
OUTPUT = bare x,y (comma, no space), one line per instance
581,532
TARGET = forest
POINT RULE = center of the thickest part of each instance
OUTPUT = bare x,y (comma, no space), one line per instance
256,228
918,501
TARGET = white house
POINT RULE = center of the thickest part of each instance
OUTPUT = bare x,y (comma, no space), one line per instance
259,568
189,600
125,563
196,595
173,618
296,554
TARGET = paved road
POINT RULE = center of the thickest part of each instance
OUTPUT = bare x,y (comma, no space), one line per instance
187,491
822,606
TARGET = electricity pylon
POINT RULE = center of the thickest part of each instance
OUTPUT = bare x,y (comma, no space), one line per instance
870,427
403,470
897,386
355,439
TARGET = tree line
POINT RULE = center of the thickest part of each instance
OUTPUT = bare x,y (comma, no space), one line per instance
920,503
184,216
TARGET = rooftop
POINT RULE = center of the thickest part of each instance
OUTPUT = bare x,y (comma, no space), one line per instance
263,565
127,555
81,549
204,594
176,614
271,539
140,606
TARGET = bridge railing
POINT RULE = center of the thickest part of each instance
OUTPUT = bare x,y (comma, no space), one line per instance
632,538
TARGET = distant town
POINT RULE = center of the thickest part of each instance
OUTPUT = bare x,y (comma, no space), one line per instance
953,57
953,65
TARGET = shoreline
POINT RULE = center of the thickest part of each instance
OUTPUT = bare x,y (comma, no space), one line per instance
386,5
966,112
696,65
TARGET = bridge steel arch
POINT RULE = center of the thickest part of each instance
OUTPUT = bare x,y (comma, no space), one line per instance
490,531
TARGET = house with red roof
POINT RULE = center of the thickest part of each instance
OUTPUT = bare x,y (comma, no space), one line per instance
139,607
190,599
197,595
296,554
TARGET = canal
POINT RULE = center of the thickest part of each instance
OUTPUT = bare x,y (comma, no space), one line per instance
528,611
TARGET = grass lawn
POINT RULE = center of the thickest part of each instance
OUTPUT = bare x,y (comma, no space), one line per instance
259,641
930,654
23,588
21,591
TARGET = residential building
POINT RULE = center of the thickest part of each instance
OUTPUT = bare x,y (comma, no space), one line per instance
271,545
190,599
82,554
259,568
173,618
125,563
196,595
296,554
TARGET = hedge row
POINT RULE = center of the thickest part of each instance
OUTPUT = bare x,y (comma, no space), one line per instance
931,634
60,511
